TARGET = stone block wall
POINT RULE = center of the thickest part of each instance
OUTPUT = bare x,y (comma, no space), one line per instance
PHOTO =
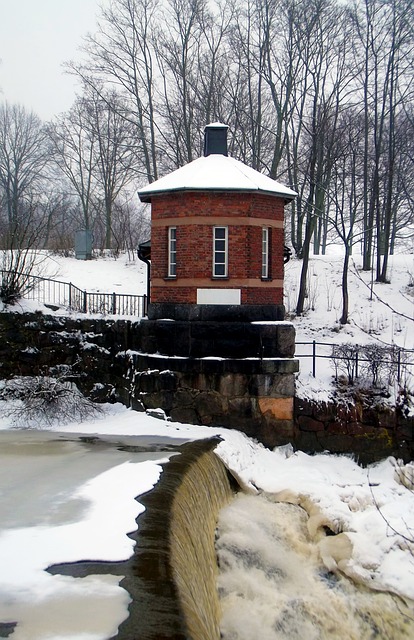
363,425
253,396
218,339
107,361
112,361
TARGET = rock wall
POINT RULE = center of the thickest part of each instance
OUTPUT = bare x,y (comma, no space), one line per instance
107,360
83,349
363,425
252,396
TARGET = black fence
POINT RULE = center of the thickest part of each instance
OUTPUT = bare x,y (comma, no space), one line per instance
353,359
65,294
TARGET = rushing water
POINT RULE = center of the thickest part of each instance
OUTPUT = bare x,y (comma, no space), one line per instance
273,585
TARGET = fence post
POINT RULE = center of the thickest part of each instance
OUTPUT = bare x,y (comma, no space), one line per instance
85,302
114,302
399,366
314,359
356,364
144,305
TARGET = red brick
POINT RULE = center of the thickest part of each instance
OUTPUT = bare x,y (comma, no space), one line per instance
195,243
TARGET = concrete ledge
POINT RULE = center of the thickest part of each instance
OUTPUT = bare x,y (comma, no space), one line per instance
220,339
219,366
220,313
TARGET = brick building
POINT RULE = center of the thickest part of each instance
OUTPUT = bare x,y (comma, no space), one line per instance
215,348
217,238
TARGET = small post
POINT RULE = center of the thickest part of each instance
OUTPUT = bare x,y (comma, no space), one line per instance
85,302
356,364
399,366
314,359
114,302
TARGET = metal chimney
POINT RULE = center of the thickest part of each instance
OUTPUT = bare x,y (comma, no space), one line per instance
215,139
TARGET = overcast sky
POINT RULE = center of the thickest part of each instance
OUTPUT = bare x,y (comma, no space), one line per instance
36,37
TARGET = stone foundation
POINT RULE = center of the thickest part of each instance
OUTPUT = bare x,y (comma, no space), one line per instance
255,395
110,361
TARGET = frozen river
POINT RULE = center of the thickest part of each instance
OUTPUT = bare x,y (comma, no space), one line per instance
67,498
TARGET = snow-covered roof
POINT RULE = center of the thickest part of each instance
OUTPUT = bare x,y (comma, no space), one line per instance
216,172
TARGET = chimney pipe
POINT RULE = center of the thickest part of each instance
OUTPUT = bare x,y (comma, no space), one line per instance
215,139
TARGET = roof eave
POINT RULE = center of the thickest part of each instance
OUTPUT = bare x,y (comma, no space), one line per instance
148,195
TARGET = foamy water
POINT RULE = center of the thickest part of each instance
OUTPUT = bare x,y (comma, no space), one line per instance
273,585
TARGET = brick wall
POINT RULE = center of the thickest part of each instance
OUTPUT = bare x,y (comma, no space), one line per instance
194,215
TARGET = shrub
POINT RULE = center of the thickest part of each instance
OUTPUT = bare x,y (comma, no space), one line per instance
44,400
377,364
345,359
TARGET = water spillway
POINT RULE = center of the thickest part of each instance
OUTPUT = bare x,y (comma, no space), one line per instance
274,585
212,562
172,577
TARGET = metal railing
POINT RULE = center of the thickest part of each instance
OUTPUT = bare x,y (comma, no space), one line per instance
402,359
66,294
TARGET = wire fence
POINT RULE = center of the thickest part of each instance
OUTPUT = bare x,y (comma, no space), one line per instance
65,294
355,360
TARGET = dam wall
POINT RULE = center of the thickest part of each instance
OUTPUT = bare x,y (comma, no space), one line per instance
173,574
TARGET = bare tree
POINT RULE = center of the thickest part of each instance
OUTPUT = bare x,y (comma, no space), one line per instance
177,51
115,152
74,152
24,189
347,195
326,78
23,158
120,55
386,47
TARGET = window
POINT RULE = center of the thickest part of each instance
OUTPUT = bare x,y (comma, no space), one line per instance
172,252
220,252
265,253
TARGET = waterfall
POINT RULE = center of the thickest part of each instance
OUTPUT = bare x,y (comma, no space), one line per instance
173,574
273,584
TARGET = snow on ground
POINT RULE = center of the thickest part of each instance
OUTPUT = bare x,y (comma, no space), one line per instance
370,506
378,311
382,313
106,274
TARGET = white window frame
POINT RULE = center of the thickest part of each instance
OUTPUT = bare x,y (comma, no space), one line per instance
265,253
172,252
218,266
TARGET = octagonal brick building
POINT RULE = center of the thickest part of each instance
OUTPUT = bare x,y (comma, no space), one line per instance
217,239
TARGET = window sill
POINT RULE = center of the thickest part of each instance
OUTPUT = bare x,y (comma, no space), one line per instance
170,278
220,278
